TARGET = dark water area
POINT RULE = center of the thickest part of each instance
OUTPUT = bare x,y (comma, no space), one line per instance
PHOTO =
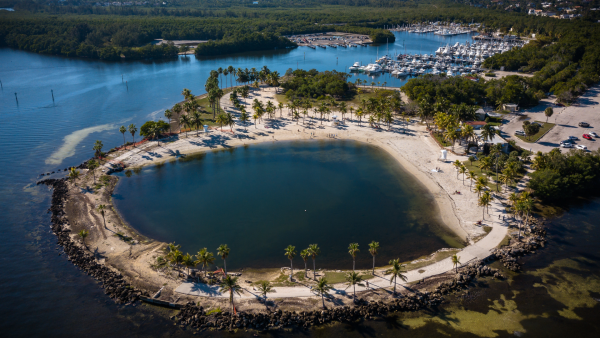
259,199
45,295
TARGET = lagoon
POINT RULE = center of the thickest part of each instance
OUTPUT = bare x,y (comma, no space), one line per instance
258,199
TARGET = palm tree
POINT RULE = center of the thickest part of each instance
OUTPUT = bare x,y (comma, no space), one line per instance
471,175
305,254
98,148
189,262
102,208
221,120
92,165
244,117
185,121
231,71
290,252
168,115
264,287
314,251
123,130
396,272
353,278
196,120
360,114
484,201
73,174
457,165
83,234
132,130
223,251
186,93
280,106
322,288
373,247
455,262
205,258
230,284
229,121
463,170
353,250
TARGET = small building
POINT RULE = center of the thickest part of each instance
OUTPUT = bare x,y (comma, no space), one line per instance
511,107
480,114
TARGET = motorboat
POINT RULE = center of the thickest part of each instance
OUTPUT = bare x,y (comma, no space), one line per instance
355,67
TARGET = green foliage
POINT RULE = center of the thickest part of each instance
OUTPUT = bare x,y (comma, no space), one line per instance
149,127
312,84
561,176
243,42
213,311
454,89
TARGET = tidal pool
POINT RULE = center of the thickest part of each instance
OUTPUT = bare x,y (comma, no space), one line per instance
258,199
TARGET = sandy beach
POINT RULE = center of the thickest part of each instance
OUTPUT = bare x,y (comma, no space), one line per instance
408,142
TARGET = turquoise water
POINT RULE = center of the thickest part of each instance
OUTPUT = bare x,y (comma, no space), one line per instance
259,199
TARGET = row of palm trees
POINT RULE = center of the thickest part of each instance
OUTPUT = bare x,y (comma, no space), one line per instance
175,258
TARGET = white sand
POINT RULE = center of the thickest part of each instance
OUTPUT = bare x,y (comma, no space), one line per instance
415,150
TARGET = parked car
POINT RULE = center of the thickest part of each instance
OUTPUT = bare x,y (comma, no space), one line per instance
574,138
587,137
567,142
581,146
594,134
520,133
584,124
566,145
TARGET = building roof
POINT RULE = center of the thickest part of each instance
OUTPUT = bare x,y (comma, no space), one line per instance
476,123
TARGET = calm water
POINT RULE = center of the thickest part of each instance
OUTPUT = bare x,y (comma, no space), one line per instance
43,294
261,198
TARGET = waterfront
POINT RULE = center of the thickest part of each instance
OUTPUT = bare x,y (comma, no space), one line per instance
46,295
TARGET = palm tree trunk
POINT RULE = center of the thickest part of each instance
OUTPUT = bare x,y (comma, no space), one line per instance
353,263
323,300
291,269
315,274
225,266
373,265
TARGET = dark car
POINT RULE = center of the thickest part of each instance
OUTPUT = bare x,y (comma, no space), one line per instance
587,137
584,124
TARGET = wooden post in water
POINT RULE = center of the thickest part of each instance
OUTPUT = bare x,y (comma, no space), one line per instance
16,98
1,86
121,78
52,91
127,85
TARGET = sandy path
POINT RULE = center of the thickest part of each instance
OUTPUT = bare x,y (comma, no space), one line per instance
410,144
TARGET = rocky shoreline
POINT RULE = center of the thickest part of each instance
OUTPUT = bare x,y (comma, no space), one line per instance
195,316
113,283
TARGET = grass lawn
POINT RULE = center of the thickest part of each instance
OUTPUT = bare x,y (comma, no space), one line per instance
354,101
441,140
490,175
534,138
340,277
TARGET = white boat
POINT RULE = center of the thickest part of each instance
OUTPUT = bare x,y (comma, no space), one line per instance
355,67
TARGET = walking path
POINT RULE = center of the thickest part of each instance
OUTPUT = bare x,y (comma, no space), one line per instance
409,143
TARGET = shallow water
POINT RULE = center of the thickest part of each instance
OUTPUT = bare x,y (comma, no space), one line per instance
260,198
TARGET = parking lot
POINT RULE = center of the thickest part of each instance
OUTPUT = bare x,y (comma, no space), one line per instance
586,109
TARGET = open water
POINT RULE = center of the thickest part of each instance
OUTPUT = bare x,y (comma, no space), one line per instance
45,295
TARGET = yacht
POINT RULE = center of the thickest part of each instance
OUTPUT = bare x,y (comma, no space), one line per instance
355,67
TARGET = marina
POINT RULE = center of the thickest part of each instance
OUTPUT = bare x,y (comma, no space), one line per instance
451,60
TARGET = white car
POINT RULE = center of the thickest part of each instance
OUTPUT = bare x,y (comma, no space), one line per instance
566,145
581,146
594,134
520,133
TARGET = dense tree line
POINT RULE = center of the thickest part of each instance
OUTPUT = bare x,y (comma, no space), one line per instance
314,84
566,61
243,42
561,176
470,90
